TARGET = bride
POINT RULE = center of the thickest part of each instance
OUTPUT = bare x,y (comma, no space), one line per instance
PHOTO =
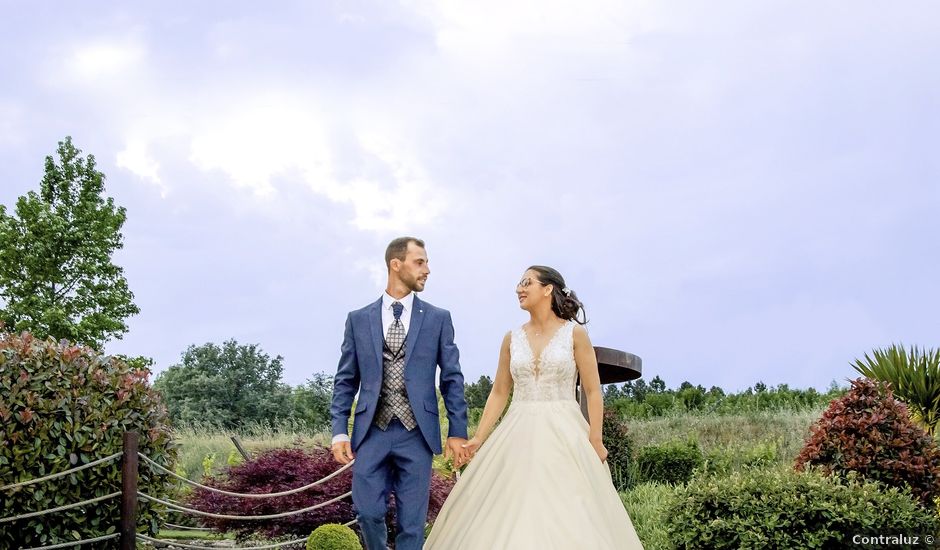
540,480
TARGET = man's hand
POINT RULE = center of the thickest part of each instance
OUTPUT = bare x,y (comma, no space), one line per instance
342,452
455,448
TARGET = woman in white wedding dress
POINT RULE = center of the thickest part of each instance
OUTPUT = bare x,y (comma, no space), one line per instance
540,480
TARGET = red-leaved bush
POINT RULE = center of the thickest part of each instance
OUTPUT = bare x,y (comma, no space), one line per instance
870,432
279,470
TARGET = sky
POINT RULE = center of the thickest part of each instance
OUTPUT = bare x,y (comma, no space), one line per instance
738,191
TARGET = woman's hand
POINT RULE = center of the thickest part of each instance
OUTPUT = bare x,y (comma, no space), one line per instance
471,446
599,448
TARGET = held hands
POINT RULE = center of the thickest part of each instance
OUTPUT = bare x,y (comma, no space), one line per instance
456,448
342,452
599,448
472,445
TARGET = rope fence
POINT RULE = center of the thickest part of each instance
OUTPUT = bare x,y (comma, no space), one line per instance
179,508
74,542
164,542
163,469
61,474
130,495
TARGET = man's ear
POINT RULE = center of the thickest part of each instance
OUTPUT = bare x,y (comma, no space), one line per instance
394,265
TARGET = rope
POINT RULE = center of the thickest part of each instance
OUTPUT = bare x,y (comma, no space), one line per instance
243,495
60,508
181,545
60,474
185,528
74,542
179,508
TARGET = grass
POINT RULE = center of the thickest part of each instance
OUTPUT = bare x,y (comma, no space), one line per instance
787,430
646,503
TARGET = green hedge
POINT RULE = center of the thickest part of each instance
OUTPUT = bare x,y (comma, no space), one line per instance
62,406
786,509
669,463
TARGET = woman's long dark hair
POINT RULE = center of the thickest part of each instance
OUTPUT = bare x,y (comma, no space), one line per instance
565,302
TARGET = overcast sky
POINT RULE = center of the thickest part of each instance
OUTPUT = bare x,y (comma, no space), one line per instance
738,191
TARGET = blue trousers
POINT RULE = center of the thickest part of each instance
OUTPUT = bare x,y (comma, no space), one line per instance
394,460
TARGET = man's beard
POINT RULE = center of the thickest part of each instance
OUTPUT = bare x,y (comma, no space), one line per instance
412,284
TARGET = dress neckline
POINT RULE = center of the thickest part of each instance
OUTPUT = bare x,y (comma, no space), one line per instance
538,358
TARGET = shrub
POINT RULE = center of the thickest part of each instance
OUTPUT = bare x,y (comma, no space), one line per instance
914,376
272,472
869,432
787,509
279,470
723,461
62,406
332,536
619,450
670,463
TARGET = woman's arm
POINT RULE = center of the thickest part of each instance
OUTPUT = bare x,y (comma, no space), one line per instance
586,360
497,399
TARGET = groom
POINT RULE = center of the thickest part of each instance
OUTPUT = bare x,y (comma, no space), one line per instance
389,355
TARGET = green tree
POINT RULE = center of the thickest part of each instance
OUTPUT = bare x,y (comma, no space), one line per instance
477,393
311,401
230,386
56,274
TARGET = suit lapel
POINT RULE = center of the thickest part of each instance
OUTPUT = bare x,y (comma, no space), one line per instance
375,324
417,317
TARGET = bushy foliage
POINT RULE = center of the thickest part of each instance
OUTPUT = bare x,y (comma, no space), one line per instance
62,406
870,432
279,470
619,450
229,385
332,536
724,461
787,509
275,471
639,400
914,376
669,463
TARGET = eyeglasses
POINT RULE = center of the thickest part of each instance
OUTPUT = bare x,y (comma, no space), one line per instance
524,283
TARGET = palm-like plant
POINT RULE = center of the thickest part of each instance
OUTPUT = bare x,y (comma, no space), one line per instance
914,376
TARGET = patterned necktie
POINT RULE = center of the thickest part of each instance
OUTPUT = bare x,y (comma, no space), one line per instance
396,331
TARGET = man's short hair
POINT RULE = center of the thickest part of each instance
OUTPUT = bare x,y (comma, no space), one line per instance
398,248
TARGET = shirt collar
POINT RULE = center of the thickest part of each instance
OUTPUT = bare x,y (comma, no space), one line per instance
407,301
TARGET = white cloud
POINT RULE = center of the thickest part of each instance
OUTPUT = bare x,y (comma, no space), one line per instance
136,158
105,59
255,141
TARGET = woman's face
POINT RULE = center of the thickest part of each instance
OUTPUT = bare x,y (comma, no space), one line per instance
530,291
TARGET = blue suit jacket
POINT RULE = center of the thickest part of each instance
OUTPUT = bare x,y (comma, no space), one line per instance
429,343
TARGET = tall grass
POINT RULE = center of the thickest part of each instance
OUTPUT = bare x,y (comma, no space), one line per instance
646,504
208,448
785,429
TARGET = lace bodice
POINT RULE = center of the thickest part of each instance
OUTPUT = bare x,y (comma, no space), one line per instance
549,378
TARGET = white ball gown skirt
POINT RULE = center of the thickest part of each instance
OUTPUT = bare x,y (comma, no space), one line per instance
538,484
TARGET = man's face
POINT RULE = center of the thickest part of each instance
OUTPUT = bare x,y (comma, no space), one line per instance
414,271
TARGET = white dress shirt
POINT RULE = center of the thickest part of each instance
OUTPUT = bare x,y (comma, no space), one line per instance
388,317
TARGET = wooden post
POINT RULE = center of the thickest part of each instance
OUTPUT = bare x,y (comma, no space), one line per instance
238,445
128,526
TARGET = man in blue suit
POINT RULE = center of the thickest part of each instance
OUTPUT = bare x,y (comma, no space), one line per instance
390,354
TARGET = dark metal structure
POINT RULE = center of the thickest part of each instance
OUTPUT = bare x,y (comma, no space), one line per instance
614,366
